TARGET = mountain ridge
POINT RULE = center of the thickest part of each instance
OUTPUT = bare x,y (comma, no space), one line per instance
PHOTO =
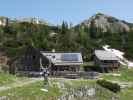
107,23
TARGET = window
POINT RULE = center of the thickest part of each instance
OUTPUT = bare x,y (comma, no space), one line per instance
69,57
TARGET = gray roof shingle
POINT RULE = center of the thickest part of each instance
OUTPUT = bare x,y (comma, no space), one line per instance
105,55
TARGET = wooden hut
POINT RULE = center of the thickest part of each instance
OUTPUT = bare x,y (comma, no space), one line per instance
64,62
107,61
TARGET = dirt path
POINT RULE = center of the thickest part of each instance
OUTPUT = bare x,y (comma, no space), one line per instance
20,83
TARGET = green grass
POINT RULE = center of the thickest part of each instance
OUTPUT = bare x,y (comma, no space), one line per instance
32,92
80,83
90,63
126,75
126,94
8,79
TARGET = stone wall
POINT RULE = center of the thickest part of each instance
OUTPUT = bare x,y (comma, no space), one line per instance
88,93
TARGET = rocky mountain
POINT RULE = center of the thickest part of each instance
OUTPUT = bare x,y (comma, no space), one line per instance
106,23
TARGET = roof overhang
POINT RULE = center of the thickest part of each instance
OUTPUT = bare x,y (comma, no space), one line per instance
68,64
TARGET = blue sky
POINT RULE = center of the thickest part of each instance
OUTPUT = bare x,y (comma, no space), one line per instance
74,11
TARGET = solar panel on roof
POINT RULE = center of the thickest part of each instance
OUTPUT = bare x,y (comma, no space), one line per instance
69,57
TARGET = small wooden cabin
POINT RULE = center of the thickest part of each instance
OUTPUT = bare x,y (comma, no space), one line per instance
107,61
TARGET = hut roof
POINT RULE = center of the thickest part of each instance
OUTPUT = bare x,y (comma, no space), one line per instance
64,58
105,55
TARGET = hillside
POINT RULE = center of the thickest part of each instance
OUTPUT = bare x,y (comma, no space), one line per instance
104,29
90,34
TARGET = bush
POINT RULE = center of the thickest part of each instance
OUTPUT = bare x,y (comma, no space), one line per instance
91,68
4,68
109,85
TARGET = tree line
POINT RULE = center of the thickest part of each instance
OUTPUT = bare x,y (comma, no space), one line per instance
65,37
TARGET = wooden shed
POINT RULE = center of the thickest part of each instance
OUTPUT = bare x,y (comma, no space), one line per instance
107,61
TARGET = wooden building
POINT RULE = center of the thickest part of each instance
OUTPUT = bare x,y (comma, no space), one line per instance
64,62
107,61
33,60
28,61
